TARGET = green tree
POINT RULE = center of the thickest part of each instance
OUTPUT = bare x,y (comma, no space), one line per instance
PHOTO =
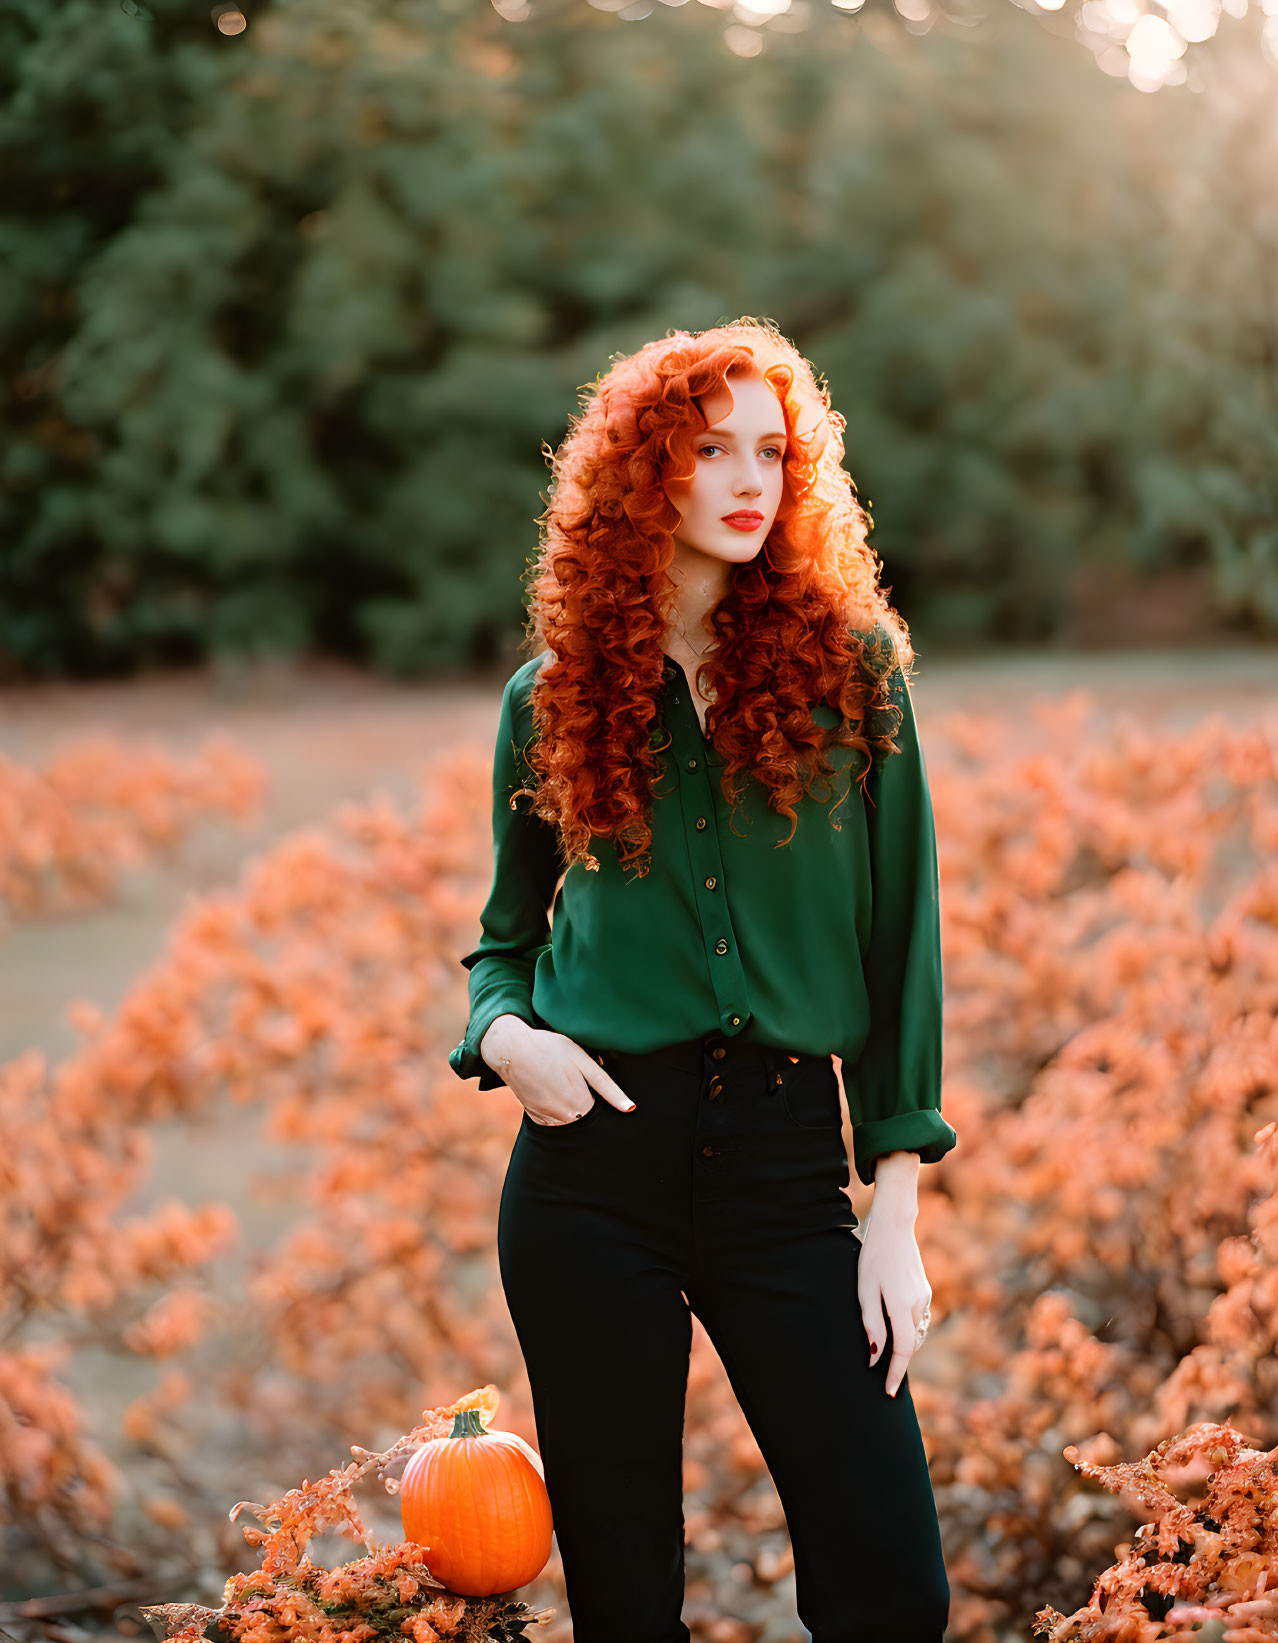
283,380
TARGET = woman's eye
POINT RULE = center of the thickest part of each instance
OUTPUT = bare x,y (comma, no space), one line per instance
702,449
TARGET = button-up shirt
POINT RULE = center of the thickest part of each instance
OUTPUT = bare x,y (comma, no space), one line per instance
828,944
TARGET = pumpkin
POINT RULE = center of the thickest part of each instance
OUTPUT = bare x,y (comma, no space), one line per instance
476,1501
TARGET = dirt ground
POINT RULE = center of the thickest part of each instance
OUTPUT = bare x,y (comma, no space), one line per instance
326,733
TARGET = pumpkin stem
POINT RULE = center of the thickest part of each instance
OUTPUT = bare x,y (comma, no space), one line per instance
467,1424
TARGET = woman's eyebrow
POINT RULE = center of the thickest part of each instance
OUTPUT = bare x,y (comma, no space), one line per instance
727,433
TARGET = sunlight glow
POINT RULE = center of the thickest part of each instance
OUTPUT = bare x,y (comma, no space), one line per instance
759,11
1194,20
1146,42
1154,44
741,41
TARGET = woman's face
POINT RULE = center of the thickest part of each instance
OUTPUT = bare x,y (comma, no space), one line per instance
738,470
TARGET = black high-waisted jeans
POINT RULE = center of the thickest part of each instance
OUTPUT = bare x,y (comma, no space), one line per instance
721,1194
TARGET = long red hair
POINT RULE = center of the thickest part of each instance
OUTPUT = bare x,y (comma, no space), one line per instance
792,629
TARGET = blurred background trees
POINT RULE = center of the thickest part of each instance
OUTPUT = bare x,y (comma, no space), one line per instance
289,312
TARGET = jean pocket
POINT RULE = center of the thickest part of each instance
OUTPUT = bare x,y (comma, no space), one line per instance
810,1095
573,1124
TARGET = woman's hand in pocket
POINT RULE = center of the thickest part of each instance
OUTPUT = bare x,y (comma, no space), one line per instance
552,1076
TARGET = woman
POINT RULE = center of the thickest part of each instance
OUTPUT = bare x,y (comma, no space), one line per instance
715,650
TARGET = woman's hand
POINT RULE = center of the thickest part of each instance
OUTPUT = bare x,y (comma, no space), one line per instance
549,1072
890,1278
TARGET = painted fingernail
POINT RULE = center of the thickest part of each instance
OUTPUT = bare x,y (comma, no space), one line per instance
631,1107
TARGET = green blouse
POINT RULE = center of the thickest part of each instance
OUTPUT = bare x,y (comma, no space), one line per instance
830,944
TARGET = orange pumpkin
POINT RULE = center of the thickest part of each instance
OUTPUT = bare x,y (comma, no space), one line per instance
476,1501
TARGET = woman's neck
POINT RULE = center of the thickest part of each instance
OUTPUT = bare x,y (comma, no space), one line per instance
700,585
688,631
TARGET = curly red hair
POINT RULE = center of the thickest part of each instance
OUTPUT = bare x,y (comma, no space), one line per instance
797,625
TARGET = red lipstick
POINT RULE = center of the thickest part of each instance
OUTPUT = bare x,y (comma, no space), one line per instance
745,519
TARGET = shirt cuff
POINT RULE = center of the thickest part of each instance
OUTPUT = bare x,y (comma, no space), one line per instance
923,1131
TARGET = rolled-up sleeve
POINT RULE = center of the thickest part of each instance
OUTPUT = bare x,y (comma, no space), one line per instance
894,1088
515,920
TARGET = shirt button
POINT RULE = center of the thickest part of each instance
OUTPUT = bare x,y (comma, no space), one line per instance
719,1052
701,822
692,764
736,1021
707,1152
721,946
711,882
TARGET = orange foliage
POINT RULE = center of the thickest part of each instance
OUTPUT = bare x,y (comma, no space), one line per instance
1188,1565
1102,1245
101,805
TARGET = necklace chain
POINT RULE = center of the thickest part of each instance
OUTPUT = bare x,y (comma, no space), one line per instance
697,653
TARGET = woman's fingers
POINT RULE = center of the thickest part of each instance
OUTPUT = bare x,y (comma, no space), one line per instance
911,1300
606,1084
872,1318
874,1314
902,1349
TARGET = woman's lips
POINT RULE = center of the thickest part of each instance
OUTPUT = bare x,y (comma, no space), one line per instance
743,521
